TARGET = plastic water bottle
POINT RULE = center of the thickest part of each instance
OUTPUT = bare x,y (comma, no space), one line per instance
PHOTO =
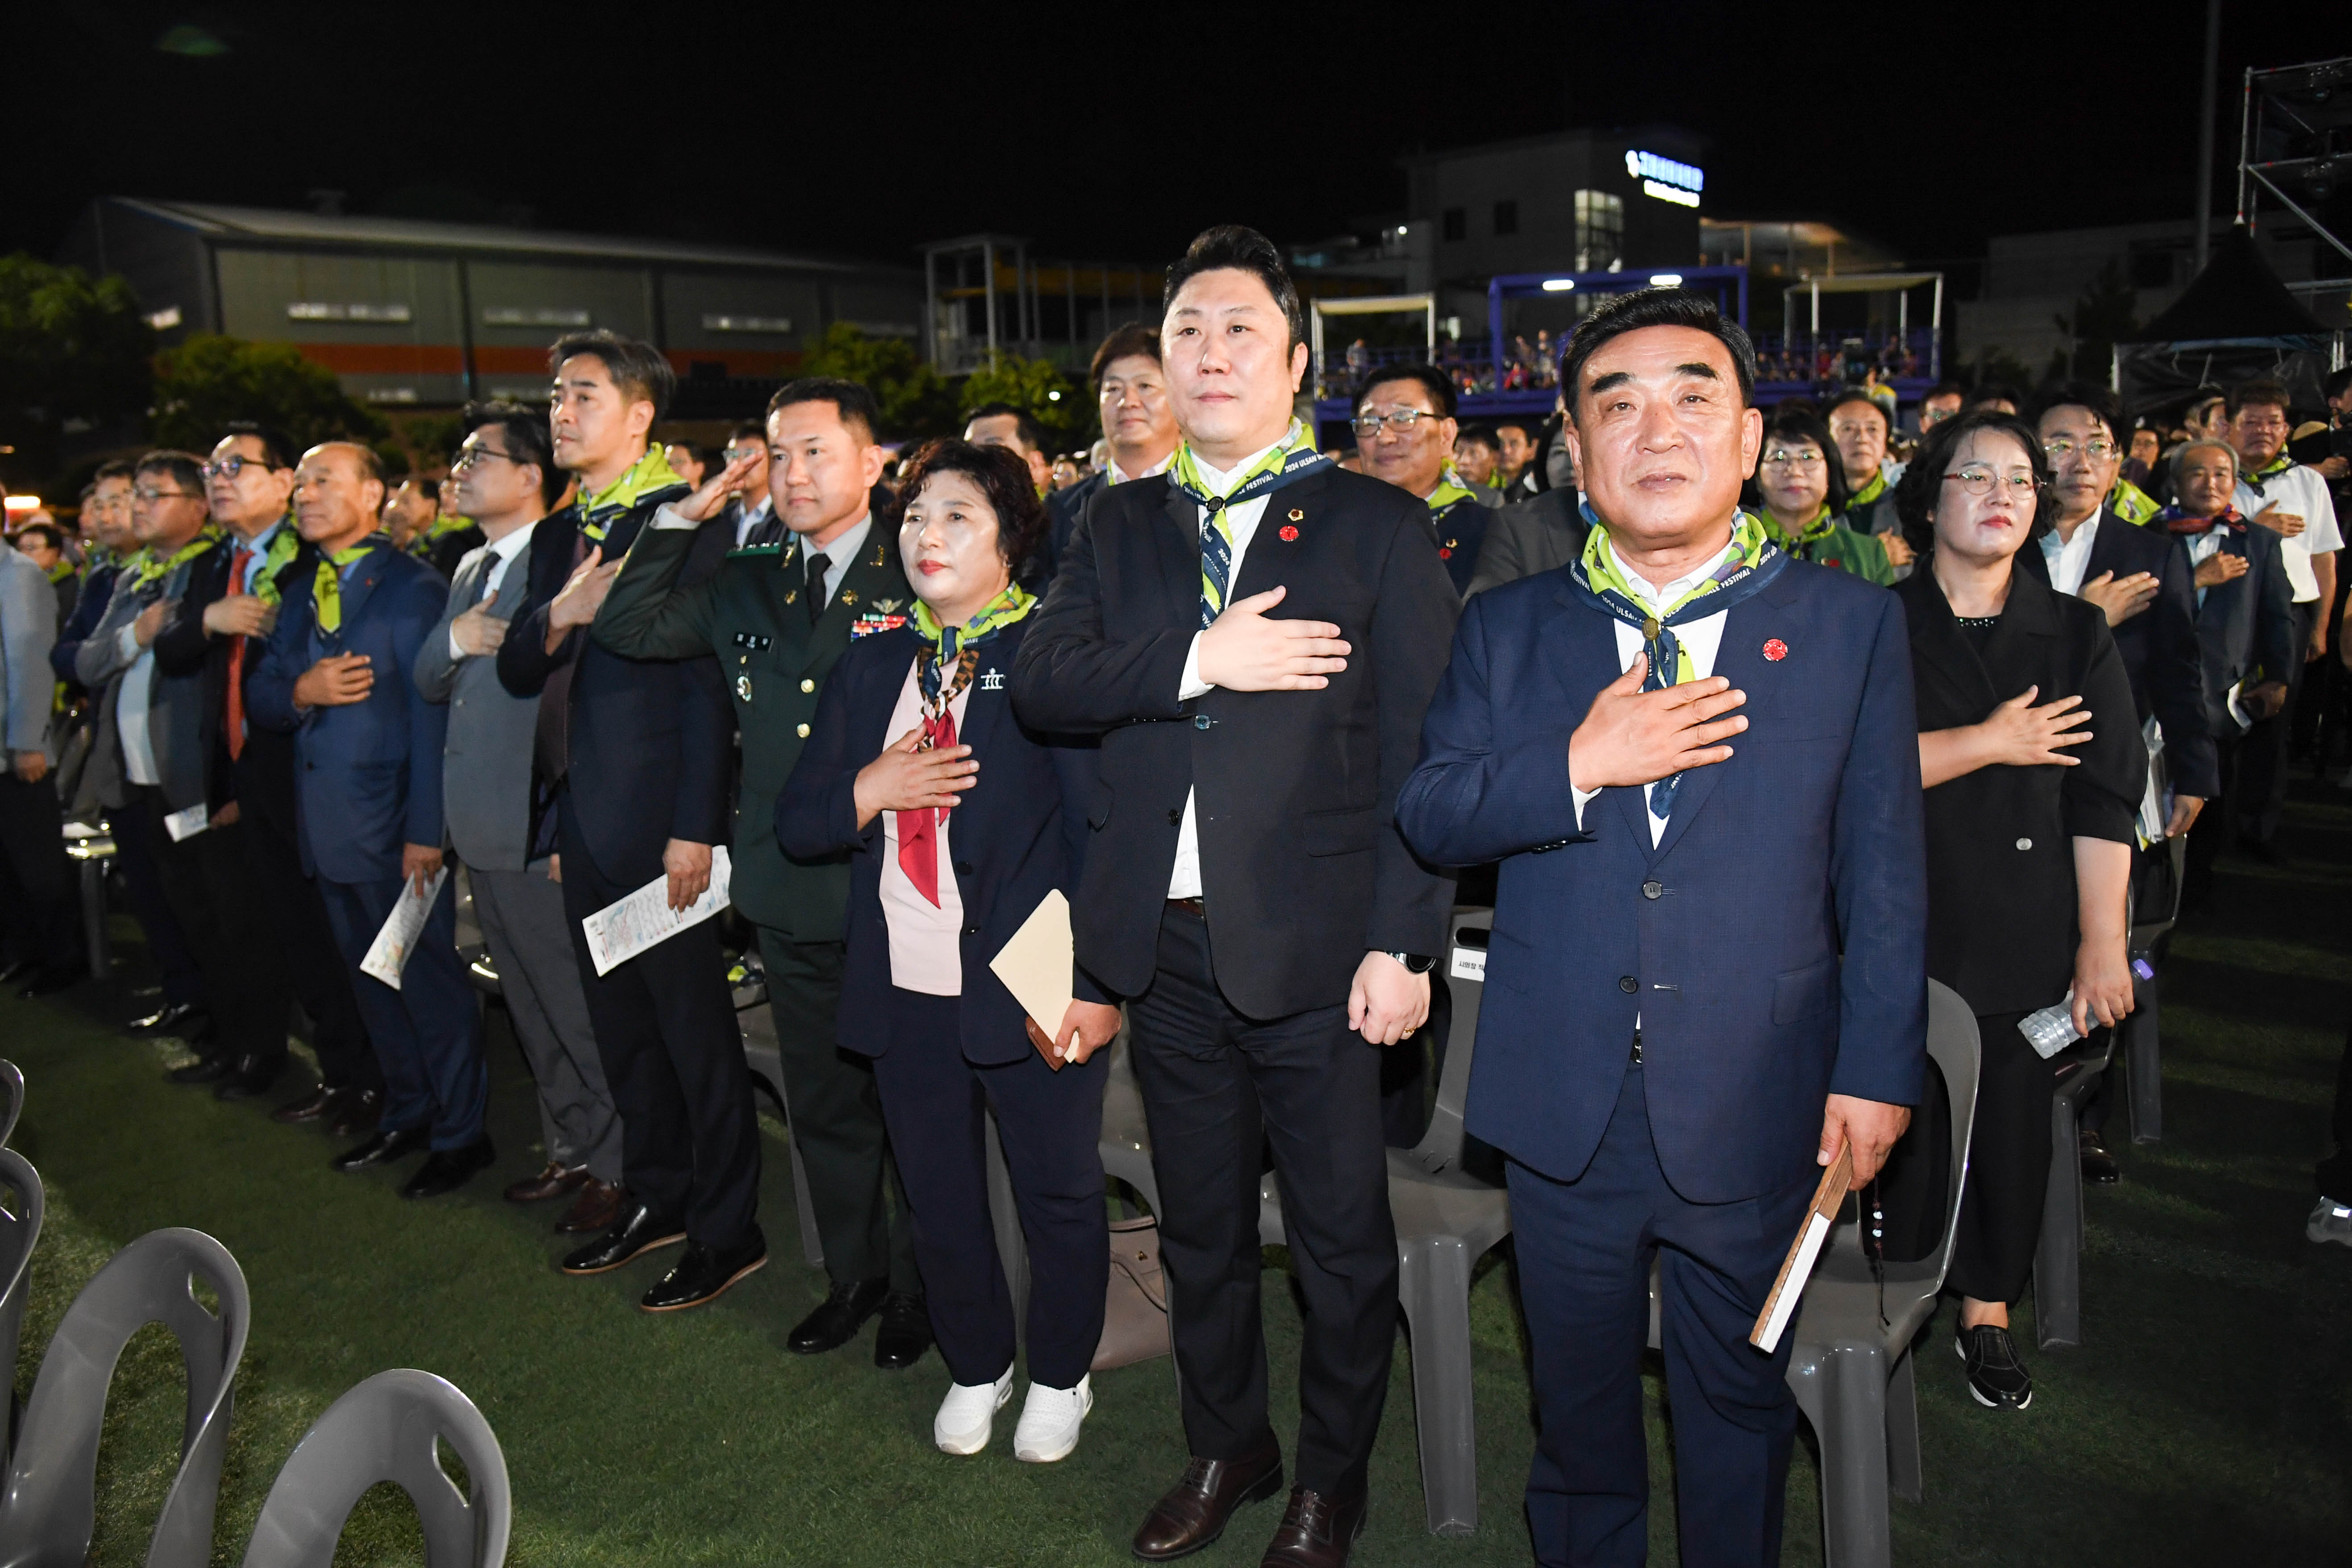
2051,1030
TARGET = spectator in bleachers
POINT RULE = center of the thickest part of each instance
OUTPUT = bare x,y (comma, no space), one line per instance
1405,430
2034,772
1477,457
1801,491
1942,402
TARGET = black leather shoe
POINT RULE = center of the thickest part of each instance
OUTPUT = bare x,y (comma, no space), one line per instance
2098,1166
250,1077
352,1111
183,1018
905,1332
446,1170
383,1149
1193,1512
47,981
837,1317
640,1231
1315,1532
704,1274
203,1069
309,1108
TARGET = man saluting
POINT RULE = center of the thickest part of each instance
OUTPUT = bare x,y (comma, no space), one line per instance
1698,763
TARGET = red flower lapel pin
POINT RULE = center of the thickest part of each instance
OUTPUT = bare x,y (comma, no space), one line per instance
1775,649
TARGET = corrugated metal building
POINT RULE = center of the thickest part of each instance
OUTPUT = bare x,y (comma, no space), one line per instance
418,313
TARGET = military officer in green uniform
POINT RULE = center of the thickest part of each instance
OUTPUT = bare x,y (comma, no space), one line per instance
777,617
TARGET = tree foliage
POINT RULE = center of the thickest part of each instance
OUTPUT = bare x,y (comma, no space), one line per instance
1038,388
74,355
209,380
917,402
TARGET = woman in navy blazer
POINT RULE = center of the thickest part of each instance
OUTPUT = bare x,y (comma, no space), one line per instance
915,720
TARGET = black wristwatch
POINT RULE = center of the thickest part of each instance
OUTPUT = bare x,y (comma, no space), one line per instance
1415,962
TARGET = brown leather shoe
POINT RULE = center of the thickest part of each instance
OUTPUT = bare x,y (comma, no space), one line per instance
309,1108
1316,1531
598,1206
352,1111
1194,1511
552,1181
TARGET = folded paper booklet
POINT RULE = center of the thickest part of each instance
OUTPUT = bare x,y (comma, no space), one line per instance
1789,1289
1037,967
387,955
187,824
624,929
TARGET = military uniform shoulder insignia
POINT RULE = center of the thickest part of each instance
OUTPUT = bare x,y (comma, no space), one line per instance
756,549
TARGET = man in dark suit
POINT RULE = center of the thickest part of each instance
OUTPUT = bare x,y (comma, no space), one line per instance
779,617
1246,889
1669,1043
1537,529
1405,431
1138,435
633,755
218,630
749,516
339,676
2247,631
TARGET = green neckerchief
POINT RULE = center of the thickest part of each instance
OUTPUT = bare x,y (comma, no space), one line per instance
444,524
651,472
146,571
60,569
1450,492
1748,549
960,646
327,592
2133,504
1812,533
1287,461
1869,492
2274,467
284,544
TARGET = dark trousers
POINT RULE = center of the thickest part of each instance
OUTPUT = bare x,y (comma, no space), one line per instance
206,881
301,945
673,1055
135,835
1584,1251
2334,1172
2261,793
2009,1165
1051,1126
36,884
1218,1090
427,1034
837,1118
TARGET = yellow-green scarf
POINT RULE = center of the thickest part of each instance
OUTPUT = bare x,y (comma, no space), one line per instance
1601,575
60,569
283,545
651,472
146,570
1869,492
327,592
2133,504
1289,460
958,646
1450,492
443,525
1812,532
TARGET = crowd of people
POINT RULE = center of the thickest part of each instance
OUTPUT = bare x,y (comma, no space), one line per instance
1264,713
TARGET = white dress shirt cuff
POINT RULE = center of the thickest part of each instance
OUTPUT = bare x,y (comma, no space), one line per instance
1192,686
126,642
456,653
2236,712
1581,796
669,516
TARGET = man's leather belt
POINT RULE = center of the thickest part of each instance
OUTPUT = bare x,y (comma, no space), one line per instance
1194,907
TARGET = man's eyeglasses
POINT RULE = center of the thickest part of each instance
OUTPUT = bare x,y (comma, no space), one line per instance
1400,420
472,456
2098,448
1977,480
1781,460
737,454
230,467
150,494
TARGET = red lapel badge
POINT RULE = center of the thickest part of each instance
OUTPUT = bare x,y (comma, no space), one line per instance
1288,533
1775,649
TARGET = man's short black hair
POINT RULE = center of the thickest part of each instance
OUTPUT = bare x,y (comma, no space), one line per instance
1946,388
641,371
1433,380
749,431
1992,391
2333,387
113,468
850,400
1124,342
1643,307
1480,435
524,435
48,530
1526,427
1923,482
2262,392
1856,395
1025,428
1230,246
2105,406
277,449
187,469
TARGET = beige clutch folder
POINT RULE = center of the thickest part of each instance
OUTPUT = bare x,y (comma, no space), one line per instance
1797,1266
1037,967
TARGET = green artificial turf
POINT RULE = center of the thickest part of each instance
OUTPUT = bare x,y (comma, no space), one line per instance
2205,1420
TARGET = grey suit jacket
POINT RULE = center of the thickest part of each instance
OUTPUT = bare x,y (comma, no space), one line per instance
1527,537
175,707
28,625
486,756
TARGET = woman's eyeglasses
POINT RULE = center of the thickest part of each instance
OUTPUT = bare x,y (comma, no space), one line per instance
1782,459
1978,481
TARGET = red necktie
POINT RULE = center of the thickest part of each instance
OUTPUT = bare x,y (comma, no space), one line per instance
919,839
238,558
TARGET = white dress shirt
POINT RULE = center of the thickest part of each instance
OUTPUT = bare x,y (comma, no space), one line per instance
926,939
2069,559
2302,491
838,555
131,704
503,550
1701,639
1115,475
1241,521
752,518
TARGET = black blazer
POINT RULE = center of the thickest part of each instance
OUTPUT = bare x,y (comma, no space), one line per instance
2246,628
2001,929
261,778
2159,646
1019,832
649,754
1303,869
1062,509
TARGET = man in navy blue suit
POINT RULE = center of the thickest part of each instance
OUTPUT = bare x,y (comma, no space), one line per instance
1669,1045
340,673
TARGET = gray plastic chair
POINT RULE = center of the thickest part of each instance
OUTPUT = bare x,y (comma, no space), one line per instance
12,1099
388,1430
1446,1219
49,1508
2143,1064
1850,1370
2058,1255
20,1232
93,853
767,1068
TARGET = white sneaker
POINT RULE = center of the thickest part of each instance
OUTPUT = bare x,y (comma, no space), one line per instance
1050,1421
968,1414
2331,1221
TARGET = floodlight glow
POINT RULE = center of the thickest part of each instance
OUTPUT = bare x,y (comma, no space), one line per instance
1666,279
1558,285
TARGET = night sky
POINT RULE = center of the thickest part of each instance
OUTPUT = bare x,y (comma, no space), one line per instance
1112,130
